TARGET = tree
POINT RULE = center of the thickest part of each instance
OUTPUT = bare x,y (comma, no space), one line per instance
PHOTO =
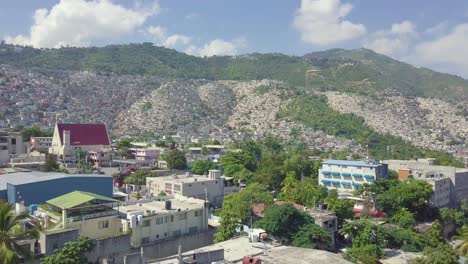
176,160
305,192
124,143
237,209
404,219
312,236
284,221
11,231
368,240
434,234
463,234
50,164
450,216
139,177
202,167
34,131
72,252
405,239
441,254
342,208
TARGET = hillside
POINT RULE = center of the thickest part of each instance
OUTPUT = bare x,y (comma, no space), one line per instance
359,71
141,89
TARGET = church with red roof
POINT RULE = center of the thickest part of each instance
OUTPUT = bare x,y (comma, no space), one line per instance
68,139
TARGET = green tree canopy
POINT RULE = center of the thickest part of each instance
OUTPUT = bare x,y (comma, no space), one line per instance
404,218
50,164
342,208
312,236
202,167
284,221
176,160
139,177
34,131
71,253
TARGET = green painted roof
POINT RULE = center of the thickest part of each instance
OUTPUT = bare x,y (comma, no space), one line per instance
76,198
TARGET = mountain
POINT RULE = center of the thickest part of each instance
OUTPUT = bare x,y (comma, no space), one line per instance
358,71
347,101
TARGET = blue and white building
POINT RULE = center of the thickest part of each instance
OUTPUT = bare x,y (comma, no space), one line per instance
346,175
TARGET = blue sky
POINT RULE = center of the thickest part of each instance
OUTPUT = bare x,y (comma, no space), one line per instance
429,33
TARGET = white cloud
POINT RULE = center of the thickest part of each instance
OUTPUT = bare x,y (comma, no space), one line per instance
79,22
217,47
192,16
322,22
445,53
159,35
394,42
437,30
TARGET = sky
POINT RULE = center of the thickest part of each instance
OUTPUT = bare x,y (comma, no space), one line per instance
426,33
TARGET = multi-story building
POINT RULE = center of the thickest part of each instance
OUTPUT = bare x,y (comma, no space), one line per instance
346,176
450,184
95,216
69,138
150,221
326,219
11,144
40,143
146,154
210,187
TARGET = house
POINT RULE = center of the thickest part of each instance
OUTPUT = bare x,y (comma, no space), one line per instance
210,187
345,176
11,145
40,143
450,184
68,139
92,214
152,220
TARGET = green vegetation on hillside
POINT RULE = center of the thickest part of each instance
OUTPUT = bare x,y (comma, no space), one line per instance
358,71
314,112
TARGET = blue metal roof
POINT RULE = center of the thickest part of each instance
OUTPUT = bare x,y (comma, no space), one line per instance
352,163
335,182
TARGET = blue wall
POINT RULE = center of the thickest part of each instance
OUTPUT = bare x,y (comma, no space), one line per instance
39,192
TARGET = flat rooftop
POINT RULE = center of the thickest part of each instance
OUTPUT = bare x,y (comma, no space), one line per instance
352,163
159,207
181,178
19,178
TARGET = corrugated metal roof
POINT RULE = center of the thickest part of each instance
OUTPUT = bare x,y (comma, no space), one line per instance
19,178
85,134
76,198
353,163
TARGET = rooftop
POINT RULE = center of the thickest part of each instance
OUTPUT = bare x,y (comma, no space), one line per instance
352,163
181,178
19,178
182,203
85,134
76,198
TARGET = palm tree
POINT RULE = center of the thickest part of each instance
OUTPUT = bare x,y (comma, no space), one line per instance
463,248
10,232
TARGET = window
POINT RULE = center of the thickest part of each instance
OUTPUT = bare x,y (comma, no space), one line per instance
103,224
13,141
145,240
146,223
176,188
182,216
159,220
165,234
172,218
157,236
198,213
168,186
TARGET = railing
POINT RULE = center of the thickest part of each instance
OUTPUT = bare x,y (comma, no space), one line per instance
90,216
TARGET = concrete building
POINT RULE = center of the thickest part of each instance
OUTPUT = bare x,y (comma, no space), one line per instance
32,160
150,221
11,144
37,187
326,219
146,154
346,176
210,187
68,138
40,143
450,184
91,214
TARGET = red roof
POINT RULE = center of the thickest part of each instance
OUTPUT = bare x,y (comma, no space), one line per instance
85,134
258,209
